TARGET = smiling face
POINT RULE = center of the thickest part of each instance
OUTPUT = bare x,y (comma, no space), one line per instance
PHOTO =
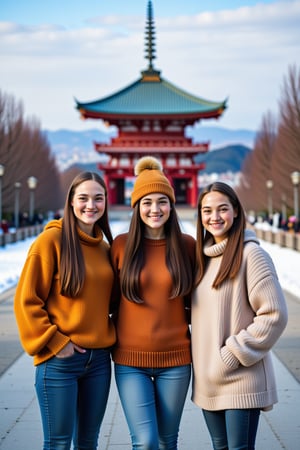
154,212
217,214
88,204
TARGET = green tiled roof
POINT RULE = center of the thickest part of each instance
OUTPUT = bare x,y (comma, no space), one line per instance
151,98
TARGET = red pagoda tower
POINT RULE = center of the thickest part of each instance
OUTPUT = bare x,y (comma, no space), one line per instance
151,115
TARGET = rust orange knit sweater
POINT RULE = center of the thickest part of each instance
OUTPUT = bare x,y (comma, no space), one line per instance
156,332
47,320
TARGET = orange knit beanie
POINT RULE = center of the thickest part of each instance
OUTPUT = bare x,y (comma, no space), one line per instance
150,179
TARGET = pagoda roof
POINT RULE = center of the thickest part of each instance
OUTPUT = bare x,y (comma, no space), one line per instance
151,96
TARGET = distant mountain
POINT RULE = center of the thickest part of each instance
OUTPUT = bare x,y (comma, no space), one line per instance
72,147
227,159
77,147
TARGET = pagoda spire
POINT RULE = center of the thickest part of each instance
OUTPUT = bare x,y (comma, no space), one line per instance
150,36
150,46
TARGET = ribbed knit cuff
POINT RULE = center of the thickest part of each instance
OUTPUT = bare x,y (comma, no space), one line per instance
58,342
229,359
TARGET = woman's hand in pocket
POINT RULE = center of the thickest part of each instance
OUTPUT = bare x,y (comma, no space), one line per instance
69,350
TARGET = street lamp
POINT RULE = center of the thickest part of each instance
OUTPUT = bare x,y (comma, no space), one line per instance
2,168
269,185
283,208
17,203
295,177
32,182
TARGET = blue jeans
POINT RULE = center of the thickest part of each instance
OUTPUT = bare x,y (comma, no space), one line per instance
232,429
153,401
72,394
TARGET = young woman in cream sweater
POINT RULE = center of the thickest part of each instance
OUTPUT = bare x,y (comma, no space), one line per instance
238,313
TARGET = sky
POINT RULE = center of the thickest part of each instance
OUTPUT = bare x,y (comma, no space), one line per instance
53,52
286,261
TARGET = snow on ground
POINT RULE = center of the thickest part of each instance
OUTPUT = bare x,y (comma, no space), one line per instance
287,261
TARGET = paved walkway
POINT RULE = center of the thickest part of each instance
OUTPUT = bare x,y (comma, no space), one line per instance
20,425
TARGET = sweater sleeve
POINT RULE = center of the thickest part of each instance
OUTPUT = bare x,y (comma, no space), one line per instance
36,280
117,250
269,312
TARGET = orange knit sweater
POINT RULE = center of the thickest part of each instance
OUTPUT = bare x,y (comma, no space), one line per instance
156,332
47,320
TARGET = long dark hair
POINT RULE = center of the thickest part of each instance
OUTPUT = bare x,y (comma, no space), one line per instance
177,258
232,256
71,262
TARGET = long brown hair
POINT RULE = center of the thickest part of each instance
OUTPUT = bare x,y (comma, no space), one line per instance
177,258
71,262
232,256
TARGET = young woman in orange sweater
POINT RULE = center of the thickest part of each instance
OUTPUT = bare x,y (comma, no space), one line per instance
152,356
62,309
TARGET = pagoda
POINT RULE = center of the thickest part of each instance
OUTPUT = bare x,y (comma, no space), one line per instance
151,115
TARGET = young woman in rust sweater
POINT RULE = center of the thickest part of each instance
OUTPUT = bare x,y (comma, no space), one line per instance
155,264
62,309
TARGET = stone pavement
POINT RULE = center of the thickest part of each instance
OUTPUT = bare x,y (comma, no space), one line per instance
10,347
20,425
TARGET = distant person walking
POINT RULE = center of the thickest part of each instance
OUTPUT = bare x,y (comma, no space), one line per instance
62,309
155,263
238,313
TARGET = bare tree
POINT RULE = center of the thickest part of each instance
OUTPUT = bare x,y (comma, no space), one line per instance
256,169
276,153
25,152
287,150
11,130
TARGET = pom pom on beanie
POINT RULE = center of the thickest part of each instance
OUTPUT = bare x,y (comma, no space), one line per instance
150,179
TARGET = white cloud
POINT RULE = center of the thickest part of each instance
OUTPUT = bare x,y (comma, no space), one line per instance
242,53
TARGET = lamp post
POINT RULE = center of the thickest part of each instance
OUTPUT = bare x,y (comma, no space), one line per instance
32,182
2,168
17,203
269,185
295,177
283,208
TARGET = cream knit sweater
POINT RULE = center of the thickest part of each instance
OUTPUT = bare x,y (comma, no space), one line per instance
233,330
